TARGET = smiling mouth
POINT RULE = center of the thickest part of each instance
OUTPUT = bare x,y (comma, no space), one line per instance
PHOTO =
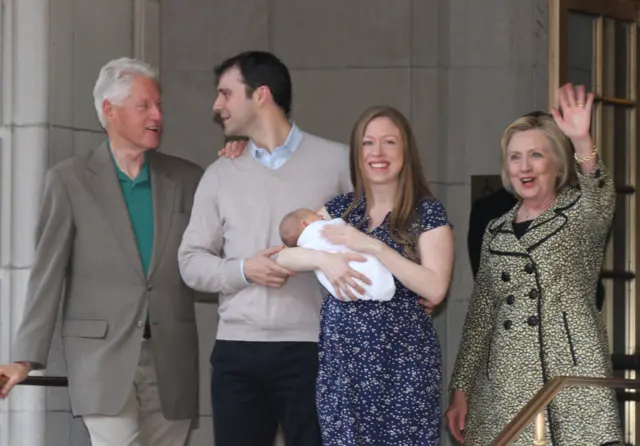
155,129
218,119
527,180
379,165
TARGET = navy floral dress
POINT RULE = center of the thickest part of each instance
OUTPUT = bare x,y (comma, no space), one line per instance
379,381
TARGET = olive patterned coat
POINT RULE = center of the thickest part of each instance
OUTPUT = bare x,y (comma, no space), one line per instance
532,317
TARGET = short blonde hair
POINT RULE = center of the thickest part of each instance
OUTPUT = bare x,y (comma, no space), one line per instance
560,146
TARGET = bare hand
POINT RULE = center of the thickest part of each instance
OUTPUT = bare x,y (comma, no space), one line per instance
457,415
350,237
573,116
342,277
12,374
428,306
232,149
262,270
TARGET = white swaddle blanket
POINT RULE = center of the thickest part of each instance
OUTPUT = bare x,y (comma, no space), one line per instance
382,286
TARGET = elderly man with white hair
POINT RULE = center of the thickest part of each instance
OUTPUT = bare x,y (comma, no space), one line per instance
110,224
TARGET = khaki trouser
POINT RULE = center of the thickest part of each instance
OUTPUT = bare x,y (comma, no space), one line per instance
140,422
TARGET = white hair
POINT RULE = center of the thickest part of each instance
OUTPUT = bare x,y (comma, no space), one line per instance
115,79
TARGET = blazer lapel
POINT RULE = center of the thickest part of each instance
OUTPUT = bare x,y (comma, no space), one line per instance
551,221
104,184
163,190
504,241
548,224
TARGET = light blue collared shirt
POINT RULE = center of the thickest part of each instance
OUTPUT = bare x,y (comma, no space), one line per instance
275,159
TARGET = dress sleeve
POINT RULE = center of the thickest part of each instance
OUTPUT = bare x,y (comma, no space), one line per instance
432,215
337,206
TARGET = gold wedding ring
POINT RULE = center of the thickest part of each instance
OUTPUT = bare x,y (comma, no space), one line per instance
580,105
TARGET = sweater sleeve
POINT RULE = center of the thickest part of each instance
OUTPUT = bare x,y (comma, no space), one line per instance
202,264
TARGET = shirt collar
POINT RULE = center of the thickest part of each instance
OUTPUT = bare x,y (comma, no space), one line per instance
290,144
143,175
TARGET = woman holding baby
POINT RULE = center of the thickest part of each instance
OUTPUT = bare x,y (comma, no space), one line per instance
380,373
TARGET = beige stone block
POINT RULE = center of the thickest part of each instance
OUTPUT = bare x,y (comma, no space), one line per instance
482,102
60,144
61,62
455,314
58,427
328,102
428,33
152,35
426,114
480,33
79,433
458,207
103,31
207,321
199,34
189,130
337,33
84,141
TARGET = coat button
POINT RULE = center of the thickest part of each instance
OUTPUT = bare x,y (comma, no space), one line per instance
597,173
505,276
528,268
507,324
533,294
149,287
601,184
511,299
140,324
533,321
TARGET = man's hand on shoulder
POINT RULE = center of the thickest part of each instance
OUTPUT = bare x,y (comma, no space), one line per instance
12,374
261,269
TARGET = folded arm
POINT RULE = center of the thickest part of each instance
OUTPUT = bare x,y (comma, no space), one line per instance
335,267
430,279
200,254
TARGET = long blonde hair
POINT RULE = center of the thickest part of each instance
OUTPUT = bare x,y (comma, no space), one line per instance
412,183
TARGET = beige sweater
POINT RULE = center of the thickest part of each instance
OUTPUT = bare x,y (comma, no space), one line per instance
237,209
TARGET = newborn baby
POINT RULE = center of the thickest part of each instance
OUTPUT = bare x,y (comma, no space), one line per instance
302,228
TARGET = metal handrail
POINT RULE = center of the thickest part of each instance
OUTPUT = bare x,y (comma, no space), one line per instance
45,381
535,407
49,381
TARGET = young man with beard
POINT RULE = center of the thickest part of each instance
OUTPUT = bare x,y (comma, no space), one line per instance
265,358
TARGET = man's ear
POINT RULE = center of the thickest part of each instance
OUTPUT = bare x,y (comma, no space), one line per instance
107,109
262,94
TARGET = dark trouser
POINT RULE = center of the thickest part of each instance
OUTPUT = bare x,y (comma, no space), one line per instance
257,385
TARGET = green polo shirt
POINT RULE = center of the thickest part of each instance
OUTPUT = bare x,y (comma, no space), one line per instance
137,197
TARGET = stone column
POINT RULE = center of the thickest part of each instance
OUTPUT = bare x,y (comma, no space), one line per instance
24,130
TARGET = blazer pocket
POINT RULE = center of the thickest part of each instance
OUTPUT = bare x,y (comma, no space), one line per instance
83,328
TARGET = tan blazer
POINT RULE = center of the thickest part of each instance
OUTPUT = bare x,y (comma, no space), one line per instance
85,244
